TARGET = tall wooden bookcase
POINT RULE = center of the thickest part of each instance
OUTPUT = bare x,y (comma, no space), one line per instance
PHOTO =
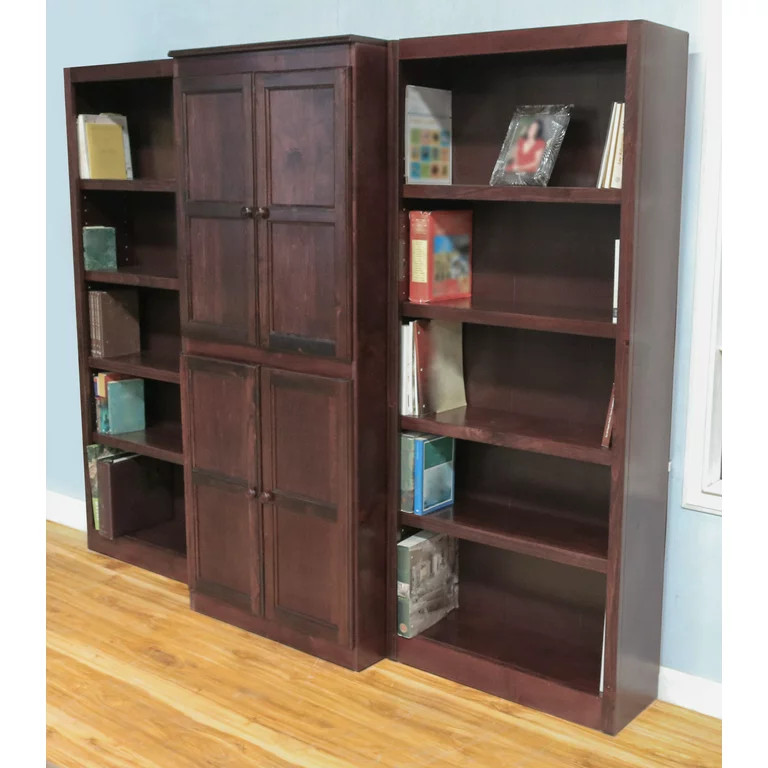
558,536
143,213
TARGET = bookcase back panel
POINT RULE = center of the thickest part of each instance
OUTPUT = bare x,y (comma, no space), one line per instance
486,90
162,403
545,375
145,228
159,322
566,489
148,107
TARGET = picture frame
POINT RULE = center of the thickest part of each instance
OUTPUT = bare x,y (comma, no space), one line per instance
531,146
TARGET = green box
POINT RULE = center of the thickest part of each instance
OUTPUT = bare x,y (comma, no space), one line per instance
100,249
426,472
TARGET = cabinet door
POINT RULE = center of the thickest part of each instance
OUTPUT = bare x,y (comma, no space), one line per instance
216,220
222,475
301,186
305,428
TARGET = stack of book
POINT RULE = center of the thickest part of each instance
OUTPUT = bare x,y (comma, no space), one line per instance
613,152
119,403
104,149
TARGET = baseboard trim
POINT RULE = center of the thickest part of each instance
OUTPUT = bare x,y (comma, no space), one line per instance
691,692
65,510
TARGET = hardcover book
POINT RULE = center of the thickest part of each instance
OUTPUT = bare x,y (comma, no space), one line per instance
428,118
125,405
426,472
427,581
441,255
134,493
103,147
99,249
114,322
95,452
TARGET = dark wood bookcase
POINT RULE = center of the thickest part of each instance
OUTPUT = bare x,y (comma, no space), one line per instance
143,212
558,536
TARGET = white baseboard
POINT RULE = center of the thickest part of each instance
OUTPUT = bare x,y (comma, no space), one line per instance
691,692
65,510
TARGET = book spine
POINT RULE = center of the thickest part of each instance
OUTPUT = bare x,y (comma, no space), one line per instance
96,323
604,159
608,428
420,288
618,161
105,499
616,253
82,148
612,149
418,477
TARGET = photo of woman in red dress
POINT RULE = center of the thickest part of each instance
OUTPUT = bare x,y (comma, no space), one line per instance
531,145
526,153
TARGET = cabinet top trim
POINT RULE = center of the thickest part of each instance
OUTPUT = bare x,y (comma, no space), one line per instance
309,42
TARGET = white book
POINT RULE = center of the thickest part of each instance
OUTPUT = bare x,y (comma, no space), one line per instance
403,356
618,161
407,373
82,144
612,149
606,146
616,251
428,135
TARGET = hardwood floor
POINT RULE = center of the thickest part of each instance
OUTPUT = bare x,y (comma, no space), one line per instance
136,680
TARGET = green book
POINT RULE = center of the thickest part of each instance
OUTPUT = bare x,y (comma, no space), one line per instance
426,472
100,248
125,405
427,581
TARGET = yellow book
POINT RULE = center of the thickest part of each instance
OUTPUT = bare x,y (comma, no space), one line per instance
106,152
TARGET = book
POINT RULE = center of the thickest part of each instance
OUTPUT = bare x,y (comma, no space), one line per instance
94,453
114,322
426,472
100,249
616,253
134,493
104,150
608,427
407,395
612,160
125,405
427,581
441,255
428,129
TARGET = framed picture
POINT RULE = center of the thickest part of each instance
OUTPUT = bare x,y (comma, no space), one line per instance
531,146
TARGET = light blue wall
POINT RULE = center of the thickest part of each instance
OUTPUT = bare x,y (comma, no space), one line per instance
103,31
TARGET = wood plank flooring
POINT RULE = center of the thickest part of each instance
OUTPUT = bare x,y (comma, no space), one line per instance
137,680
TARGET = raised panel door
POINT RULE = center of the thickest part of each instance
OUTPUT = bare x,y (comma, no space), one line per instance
222,476
301,187
305,423
216,198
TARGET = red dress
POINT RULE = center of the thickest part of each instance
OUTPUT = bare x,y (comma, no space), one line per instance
523,158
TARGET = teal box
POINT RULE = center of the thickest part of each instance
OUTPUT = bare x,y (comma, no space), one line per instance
426,472
125,405
100,249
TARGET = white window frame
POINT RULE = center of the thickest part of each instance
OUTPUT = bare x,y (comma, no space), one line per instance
702,483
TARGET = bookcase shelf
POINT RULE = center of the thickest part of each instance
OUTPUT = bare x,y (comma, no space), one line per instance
137,277
541,533
160,441
129,185
516,315
547,520
479,192
143,364
552,437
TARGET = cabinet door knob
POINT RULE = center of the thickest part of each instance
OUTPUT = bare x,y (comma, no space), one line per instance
246,212
263,212
265,497
252,493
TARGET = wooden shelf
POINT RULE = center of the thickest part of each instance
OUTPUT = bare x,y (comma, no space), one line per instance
480,193
527,531
143,364
548,639
511,430
129,185
134,277
160,441
532,317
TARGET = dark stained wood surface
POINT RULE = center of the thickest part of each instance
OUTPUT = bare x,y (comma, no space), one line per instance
142,364
473,192
135,276
132,70
160,441
309,42
129,185
519,529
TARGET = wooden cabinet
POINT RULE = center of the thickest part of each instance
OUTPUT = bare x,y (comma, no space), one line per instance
282,225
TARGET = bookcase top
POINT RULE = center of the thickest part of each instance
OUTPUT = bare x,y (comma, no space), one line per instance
275,44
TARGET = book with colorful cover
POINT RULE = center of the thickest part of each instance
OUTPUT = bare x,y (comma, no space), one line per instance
441,255
428,140
426,472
